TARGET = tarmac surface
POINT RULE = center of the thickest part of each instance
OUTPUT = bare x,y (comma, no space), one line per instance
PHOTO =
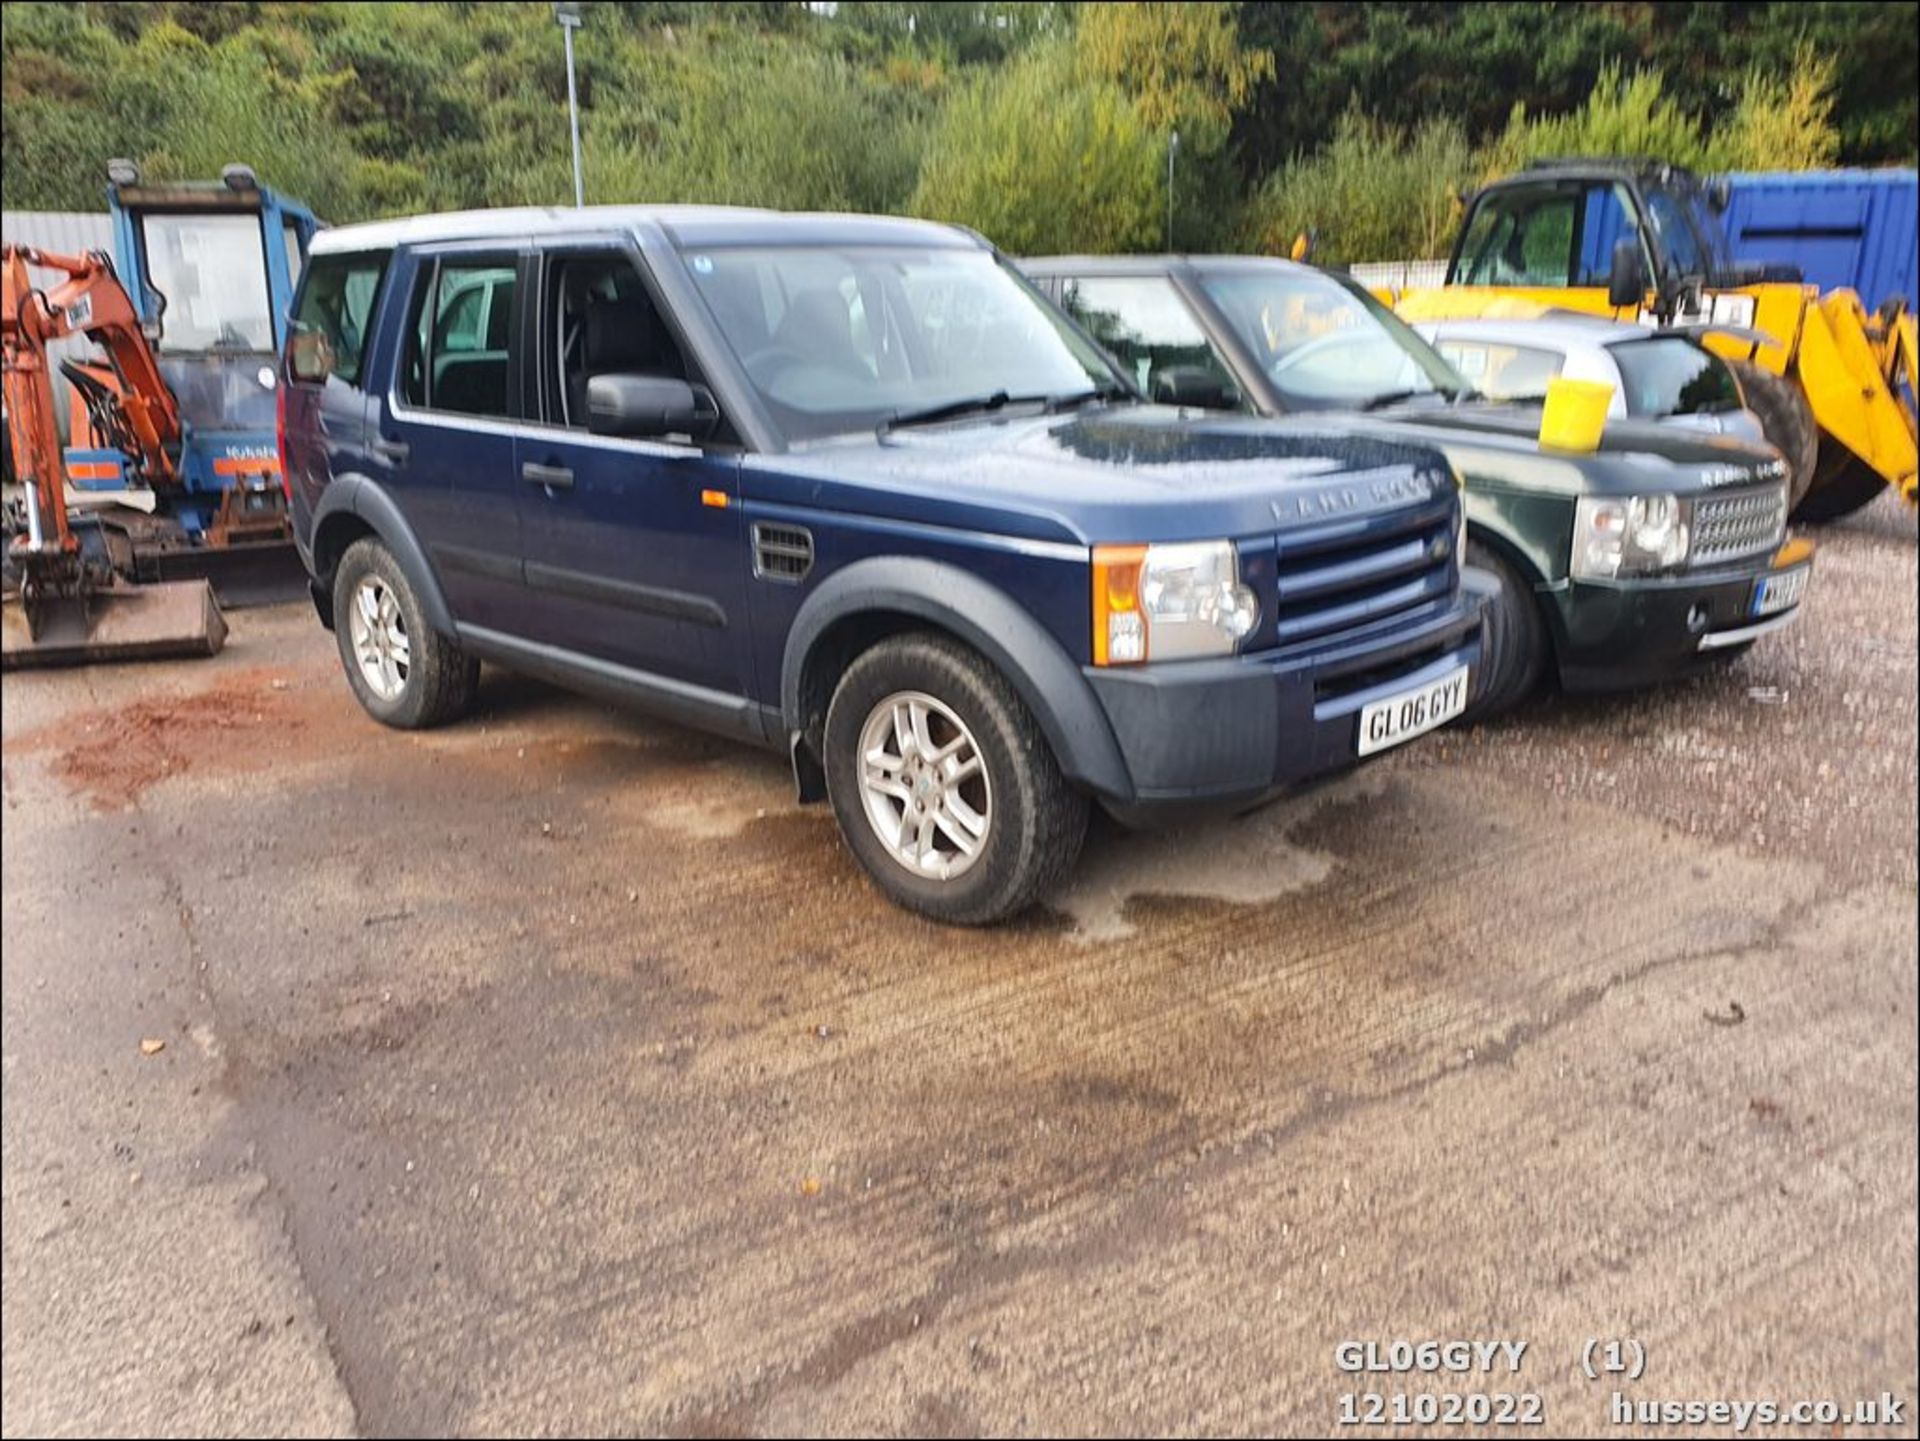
554,1072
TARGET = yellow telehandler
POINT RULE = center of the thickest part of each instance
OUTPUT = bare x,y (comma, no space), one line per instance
1833,386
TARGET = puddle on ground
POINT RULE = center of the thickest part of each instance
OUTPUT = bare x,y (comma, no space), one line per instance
1246,861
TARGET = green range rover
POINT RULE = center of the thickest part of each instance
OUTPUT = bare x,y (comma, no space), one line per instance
1664,549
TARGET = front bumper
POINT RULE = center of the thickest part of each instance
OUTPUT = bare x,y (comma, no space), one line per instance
1224,734
1616,635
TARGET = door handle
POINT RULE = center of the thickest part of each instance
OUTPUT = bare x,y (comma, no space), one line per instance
554,477
396,451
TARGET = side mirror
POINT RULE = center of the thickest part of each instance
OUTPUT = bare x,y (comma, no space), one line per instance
1627,280
644,406
1719,194
1303,246
1196,386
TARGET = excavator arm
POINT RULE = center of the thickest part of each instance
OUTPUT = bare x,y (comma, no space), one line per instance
92,302
71,603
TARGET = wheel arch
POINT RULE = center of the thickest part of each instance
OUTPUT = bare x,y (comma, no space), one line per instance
354,508
872,599
1524,566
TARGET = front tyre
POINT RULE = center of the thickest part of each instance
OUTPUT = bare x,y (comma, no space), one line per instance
1513,644
403,672
945,789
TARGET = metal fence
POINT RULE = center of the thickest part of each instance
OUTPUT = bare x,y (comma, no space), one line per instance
1402,274
67,232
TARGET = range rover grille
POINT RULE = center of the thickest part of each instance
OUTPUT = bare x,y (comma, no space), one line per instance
1727,527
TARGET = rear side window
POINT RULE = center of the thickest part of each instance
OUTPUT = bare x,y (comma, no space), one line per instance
330,327
1674,376
458,349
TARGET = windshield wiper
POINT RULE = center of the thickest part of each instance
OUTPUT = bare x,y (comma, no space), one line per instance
1394,397
1079,398
954,409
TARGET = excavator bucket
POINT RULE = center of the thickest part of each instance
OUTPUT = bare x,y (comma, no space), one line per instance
113,623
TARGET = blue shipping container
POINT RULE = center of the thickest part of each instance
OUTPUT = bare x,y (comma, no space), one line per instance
1844,228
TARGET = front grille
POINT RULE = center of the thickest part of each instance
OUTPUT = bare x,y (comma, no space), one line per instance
1339,578
782,552
1727,527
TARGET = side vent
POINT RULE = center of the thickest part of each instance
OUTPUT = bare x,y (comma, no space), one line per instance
782,552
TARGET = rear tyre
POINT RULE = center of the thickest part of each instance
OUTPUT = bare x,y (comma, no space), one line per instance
1788,421
1513,642
1846,484
946,790
404,672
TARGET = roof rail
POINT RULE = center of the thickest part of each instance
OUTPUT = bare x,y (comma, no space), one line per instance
1608,162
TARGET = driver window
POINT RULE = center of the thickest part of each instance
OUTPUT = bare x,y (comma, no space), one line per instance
602,321
1147,327
1523,238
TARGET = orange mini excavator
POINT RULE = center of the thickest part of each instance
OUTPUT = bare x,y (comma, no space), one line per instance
72,604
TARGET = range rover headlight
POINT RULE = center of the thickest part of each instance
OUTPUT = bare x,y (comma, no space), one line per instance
1615,536
1169,602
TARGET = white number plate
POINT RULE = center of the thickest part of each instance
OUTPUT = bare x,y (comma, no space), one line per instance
1775,593
1411,713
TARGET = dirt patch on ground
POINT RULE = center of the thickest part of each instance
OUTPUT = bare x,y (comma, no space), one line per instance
113,755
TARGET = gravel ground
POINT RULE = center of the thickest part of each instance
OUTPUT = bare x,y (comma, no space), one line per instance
1804,747
555,1073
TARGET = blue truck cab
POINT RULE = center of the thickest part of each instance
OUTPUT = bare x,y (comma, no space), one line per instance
852,487
211,269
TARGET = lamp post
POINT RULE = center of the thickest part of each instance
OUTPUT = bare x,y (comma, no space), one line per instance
1173,149
567,12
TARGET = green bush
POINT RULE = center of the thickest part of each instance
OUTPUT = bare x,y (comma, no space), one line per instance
1374,193
1041,158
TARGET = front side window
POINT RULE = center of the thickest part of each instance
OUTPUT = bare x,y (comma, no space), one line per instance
837,339
1520,238
1146,326
290,235
336,310
602,320
457,355
1553,236
1323,344
1671,375
211,271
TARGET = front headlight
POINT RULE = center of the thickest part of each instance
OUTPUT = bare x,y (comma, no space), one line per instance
1617,536
1168,602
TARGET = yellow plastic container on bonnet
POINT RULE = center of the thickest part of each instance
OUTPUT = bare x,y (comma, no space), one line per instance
1575,414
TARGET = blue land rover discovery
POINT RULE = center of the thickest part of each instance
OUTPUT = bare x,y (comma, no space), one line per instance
851,486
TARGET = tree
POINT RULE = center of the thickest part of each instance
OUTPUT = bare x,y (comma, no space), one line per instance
1182,65
1041,157
1375,193
1783,123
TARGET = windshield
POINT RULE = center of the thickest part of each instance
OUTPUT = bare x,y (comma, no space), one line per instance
212,272
1325,344
838,339
1674,376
